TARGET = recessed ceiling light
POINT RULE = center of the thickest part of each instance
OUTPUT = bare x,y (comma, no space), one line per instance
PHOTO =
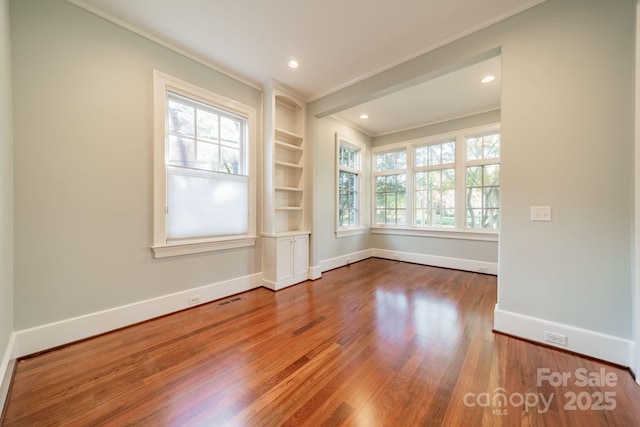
488,79
293,64
364,116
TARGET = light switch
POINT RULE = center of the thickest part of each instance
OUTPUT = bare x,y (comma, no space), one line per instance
540,213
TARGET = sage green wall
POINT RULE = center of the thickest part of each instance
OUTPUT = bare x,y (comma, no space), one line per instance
83,117
567,133
325,243
6,185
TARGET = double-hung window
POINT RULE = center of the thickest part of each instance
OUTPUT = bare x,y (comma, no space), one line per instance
204,192
435,185
390,180
349,155
483,181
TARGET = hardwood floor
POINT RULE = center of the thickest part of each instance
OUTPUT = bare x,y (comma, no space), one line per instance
377,343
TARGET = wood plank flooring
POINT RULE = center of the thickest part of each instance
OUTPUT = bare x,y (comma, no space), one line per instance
376,343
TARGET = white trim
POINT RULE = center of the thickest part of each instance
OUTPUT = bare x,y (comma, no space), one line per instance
163,83
432,260
590,343
315,272
169,250
54,334
360,150
635,290
96,10
342,260
484,267
353,231
440,234
6,369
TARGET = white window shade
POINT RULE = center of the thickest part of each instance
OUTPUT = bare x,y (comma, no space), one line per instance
203,204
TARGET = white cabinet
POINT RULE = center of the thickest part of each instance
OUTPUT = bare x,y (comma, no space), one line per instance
285,259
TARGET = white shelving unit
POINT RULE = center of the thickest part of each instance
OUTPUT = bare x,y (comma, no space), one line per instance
285,258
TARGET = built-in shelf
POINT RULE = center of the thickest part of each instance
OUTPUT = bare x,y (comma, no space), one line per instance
288,165
286,241
288,134
287,146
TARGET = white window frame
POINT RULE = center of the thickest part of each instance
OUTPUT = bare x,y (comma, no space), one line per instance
360,152
479,162
163,83
460,231
395,148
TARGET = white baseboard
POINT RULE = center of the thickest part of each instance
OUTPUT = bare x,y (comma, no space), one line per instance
436,261
590,343
635,362
315,272
6,369
341,261
439,261
51,335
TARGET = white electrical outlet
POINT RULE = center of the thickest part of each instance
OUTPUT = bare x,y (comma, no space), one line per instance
554,338
195,299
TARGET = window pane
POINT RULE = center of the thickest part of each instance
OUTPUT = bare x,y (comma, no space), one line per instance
390,216
402,160
448,199
491,146
421,156
229,160
229,130
474,197
390,161
208,156
401,217
474,177
448,152
474,218
208,126
492,197
491,175
490,219
434,154
474,148
181,151
181,118
434,179
449,178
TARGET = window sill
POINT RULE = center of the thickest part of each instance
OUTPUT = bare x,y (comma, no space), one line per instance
345,232
485,236
186,248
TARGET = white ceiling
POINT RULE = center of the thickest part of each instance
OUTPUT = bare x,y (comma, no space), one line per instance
453,95
336,42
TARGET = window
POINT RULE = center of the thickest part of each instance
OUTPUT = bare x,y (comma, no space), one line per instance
349,178
391,188
443,183
435,185
483,181
204,197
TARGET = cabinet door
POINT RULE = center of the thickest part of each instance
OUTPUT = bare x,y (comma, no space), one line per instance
301,255
284,258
